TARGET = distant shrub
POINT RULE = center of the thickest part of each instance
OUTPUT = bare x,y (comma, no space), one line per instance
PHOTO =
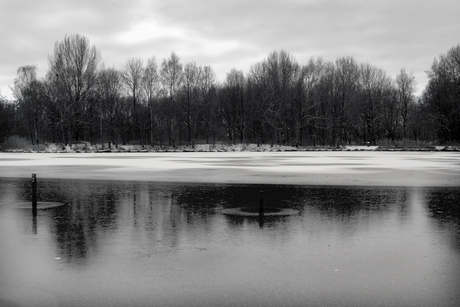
16,143
40,147
405,144
52,147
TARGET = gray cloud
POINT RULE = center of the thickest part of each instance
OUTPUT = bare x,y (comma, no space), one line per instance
389,34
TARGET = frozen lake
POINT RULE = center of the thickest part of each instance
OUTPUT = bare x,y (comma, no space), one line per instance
141,243
361,168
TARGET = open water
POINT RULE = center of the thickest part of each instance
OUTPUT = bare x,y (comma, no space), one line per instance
118,243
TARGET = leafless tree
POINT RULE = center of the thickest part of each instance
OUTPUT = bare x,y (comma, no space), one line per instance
74,67
233,107
7,119
25,76
390,117
374,83
344,92
171,78
150,82
312,99
110,103
132,75
442,95
191,100
31,98
207,93
283,73
406,88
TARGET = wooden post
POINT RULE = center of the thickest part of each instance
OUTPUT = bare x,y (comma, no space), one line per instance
34,194
261,211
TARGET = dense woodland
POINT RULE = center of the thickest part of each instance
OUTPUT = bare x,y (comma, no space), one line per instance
279,101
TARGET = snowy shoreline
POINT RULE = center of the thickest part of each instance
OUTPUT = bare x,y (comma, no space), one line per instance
233,148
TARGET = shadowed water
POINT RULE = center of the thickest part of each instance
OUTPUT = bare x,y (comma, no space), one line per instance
153,244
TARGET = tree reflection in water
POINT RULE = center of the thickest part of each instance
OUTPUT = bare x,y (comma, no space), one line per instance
151,238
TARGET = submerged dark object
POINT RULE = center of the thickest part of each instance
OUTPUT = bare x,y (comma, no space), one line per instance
40,205
248,211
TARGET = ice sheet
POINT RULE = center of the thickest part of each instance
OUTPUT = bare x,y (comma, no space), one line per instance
305,168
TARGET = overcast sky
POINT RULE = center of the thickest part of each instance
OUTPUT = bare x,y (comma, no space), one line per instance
226,34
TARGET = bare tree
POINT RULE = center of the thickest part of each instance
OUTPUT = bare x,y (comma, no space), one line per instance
406,88
30,95
373,85
150,83
110,103
343,98
442,95
207,93
309,107
7,119
171,78
132,75
233,107
25,75
283,74
191,99
74,65
390,118
275,88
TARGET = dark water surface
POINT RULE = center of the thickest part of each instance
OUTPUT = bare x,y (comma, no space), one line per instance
154,244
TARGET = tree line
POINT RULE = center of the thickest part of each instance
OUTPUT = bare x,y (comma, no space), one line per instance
279,101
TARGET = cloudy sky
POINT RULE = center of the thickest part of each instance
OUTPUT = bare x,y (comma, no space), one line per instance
226,34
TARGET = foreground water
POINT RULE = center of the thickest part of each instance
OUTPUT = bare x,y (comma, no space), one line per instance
163,244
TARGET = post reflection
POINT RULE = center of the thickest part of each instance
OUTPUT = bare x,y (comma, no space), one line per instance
34,224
